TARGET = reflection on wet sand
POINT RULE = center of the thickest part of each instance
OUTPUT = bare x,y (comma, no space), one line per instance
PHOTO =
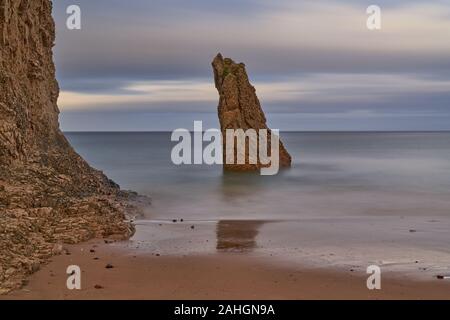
237,235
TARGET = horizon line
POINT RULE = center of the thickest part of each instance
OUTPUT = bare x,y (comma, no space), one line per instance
285,131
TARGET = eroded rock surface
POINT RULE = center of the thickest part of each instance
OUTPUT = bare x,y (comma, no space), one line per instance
48,194
239,108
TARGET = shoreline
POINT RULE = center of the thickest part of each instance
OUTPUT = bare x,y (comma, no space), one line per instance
137,275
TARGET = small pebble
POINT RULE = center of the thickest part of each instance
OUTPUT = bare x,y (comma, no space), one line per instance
109,266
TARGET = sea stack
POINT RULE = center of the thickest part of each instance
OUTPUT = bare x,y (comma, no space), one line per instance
239,108
48,194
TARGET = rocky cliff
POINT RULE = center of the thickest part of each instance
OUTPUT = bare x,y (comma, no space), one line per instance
48,194
239,108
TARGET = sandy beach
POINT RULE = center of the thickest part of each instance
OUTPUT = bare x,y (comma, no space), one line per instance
137,275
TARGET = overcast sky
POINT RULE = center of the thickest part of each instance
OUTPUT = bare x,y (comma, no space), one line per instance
140,65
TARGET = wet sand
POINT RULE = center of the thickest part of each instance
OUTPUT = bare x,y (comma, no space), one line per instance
229,275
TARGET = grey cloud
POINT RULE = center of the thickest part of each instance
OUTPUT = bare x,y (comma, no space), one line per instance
76,121
123,42
172,39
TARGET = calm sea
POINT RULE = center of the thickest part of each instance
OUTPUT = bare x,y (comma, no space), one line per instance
333,174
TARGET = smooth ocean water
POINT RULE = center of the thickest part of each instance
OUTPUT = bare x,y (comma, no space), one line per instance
333,174
349,200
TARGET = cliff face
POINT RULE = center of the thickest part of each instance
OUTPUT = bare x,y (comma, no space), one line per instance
27,77
239,108
48,194
29,128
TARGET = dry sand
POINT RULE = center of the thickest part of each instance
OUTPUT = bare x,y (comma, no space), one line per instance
216,276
